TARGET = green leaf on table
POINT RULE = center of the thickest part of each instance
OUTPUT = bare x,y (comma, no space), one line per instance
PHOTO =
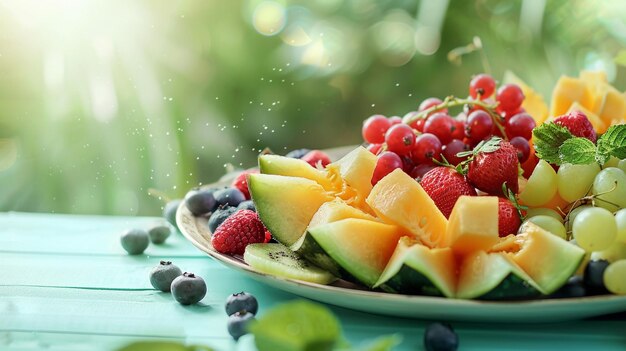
578,151
548,139
162,346
612,143
296,326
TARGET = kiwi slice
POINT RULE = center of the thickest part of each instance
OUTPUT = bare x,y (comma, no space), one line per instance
277,259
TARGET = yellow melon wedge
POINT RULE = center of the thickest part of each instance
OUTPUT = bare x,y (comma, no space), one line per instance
473,224
399,199
566,91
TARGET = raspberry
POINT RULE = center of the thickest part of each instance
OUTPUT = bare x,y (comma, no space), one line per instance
242,228
316,156
578,125
241,182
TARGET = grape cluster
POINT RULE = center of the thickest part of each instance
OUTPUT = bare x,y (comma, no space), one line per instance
432,134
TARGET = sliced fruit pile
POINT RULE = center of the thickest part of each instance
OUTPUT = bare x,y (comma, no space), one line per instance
486,204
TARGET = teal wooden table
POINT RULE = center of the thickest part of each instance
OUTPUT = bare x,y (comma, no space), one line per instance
66,284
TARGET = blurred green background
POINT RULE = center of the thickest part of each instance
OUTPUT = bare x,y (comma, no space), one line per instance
101,100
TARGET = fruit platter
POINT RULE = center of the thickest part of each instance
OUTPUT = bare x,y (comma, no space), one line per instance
491,207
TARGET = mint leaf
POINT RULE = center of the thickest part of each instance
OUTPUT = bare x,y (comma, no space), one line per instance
297,325
612,143
548,138
578,151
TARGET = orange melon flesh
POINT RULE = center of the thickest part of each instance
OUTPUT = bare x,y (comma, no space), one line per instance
566,91
473,224
356,169
545,257
286,205
614,107
359,246
398,199
437,266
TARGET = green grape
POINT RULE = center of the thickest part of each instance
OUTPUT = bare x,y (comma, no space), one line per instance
622,165
541,186
614,277
548,223
617,251
543,211
569,219
574,181
594,229
611,184
612,162
620,219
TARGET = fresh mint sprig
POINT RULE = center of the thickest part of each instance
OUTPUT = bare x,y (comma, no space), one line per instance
555,144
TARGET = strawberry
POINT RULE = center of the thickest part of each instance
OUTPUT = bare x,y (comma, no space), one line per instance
268,236
316,156
445,185
508,217
241,182
494,163
578,124
240,229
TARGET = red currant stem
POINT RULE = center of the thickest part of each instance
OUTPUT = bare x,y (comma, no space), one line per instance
451,101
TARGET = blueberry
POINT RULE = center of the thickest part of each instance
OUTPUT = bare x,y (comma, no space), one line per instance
298,153
188,288
440,337
219,216
169,211
161,276
159,233
238,323
242,301
247,205
135,241
229,197
594,276
574,287
201,201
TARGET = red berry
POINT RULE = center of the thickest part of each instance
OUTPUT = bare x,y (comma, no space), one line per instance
482,85
430,102
427,146
400,139
523,148
419,125
441,125
386,163
578,125
479,125
419,170
316,157
459,129
508,218
240,229
510,97
374,148
445,185
395,120
268,236
520,125
374,129
451,149
489,170
241,182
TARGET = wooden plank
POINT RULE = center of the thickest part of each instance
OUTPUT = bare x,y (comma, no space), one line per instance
91,235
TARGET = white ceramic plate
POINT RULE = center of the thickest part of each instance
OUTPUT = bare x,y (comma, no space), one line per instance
347,295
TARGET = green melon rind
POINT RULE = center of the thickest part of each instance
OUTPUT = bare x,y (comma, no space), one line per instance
409,271
286,204
496,278
278,260
310,250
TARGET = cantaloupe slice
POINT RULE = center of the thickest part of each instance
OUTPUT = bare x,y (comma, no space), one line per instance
566,91
361,247
473,224
400,200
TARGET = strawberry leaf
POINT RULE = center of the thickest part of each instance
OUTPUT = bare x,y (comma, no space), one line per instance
548,138
612,143
578,151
